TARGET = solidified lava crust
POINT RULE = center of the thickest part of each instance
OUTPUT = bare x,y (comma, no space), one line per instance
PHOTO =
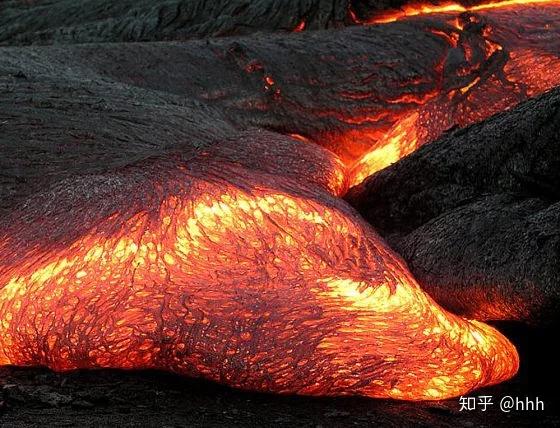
236,260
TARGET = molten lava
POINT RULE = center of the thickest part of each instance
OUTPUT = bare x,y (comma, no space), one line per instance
244,269
399,142
488,68
416,9
238,263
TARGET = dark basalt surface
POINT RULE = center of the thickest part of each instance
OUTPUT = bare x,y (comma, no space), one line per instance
70,21
477,214
486,196
111,104
116,103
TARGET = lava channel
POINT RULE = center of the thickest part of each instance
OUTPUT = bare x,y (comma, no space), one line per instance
498,54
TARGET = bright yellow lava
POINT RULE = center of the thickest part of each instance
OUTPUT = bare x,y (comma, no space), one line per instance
430,9
399,142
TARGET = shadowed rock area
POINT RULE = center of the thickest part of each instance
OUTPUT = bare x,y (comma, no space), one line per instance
69,21
477,214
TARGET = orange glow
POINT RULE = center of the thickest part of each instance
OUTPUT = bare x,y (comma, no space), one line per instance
467,88
245,281
399,142
496,70
430,9
300,27
537,71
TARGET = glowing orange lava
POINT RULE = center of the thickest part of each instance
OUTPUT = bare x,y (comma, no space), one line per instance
239,263
399,142
242,270
498,67
430,9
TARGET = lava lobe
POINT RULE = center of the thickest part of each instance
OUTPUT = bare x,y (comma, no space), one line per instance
240,268
237,261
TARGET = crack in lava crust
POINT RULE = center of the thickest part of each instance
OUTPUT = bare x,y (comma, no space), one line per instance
498,54
246,271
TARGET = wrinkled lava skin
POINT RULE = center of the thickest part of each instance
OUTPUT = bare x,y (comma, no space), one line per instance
364,92
498,54
238,262
239,268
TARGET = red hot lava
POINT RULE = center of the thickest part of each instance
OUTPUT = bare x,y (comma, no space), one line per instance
245,268
226,267
494,61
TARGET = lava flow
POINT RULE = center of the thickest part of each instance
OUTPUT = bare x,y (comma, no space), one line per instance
245,269
239,263
498,55
418,9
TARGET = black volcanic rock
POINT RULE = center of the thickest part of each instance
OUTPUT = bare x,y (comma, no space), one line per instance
477,214
71,21
68,21
81,108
